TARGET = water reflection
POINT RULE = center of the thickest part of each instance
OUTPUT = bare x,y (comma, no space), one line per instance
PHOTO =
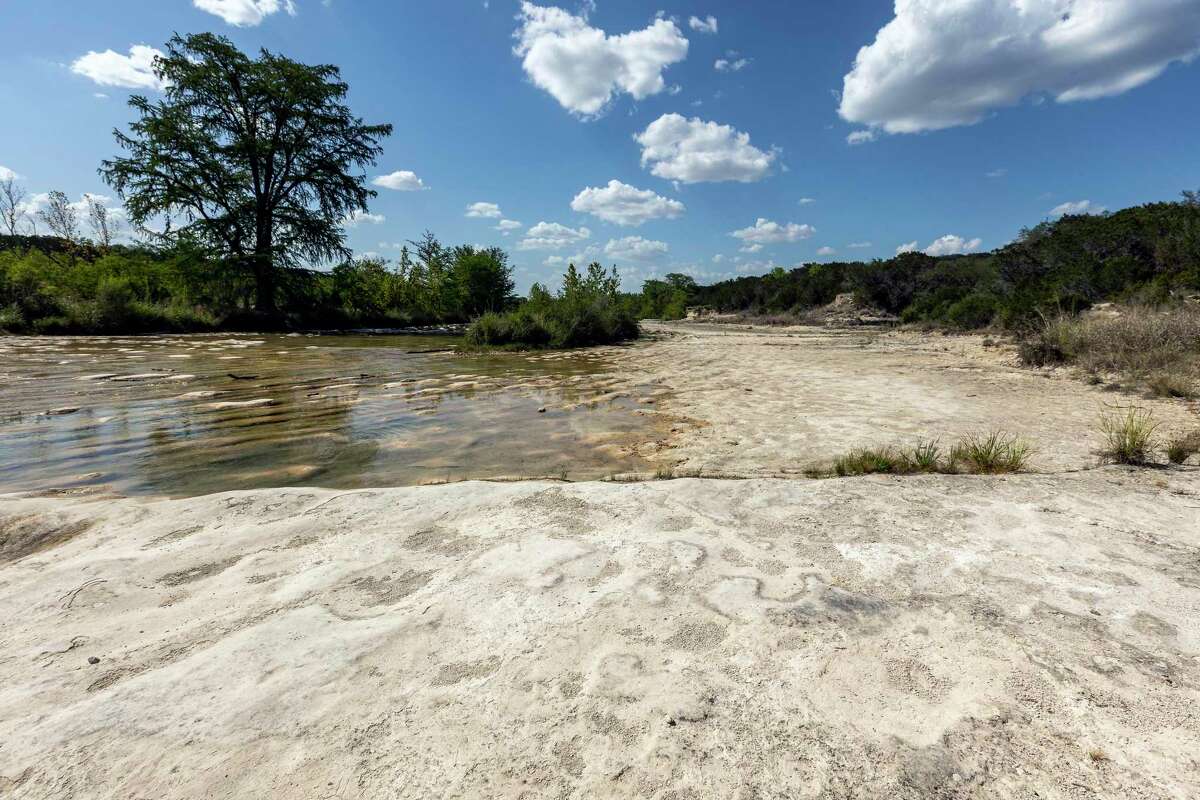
184,415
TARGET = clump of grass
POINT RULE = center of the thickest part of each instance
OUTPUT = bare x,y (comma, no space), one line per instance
1180,449
992,453
1129,435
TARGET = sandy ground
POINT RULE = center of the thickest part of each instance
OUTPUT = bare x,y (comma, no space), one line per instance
766,402
935,636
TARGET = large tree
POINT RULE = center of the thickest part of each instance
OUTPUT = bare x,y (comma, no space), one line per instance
258,160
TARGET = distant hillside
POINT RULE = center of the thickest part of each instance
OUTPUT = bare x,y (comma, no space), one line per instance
1150,253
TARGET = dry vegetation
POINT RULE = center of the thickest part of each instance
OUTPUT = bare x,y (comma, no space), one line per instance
1159,349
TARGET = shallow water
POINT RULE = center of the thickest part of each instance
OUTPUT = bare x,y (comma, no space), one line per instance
189,415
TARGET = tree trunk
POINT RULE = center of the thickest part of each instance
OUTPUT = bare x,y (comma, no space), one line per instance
264,267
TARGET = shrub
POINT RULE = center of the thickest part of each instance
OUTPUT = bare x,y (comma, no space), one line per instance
1129,435
1184,447
588,311
11,319
973,311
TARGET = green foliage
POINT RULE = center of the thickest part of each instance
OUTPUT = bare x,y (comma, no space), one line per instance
991,454
588,310
129,290
254,160
1148,254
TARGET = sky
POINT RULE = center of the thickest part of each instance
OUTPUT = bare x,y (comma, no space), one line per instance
712,137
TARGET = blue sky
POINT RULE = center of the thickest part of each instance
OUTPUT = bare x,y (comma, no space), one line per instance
974,117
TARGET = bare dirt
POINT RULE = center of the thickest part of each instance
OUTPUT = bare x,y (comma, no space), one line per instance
934,636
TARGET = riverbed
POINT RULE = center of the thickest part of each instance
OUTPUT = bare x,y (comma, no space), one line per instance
195,414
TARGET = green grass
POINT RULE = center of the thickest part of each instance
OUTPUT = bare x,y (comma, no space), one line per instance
981,454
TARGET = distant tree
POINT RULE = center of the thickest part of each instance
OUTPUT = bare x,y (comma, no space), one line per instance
61,218
1191,198
105,226
677,280
254,157
484,280
12,207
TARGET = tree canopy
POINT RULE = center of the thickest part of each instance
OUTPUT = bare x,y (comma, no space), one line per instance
257,160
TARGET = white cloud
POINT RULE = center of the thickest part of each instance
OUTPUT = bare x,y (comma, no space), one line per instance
507,226
725,65
996,173
910,247
864,245
583,67
359,217
750,248
804,201
764,231
488,210
245,13
555,261
7,174
1074,209
623,204
826,251
939,64
707,25
718,258
401,181
635,248
552,236
860,137
691,151
951,245
134,71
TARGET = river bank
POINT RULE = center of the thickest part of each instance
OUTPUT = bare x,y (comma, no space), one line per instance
925,636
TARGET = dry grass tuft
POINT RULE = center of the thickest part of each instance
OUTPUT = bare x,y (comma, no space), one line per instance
1130,435
980,454
1179,450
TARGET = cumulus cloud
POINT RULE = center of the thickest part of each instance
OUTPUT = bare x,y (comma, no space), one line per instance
635,248
507,226
360,217
7,174
552,236
691,151
862,245
939,64
623,204
1076,208
707,25
826,251
583,68
488,210
764,231
134,71
245,13
750,248
804,201
910,247
401,181
951,245
727,65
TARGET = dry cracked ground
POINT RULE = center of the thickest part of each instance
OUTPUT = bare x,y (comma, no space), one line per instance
934,636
